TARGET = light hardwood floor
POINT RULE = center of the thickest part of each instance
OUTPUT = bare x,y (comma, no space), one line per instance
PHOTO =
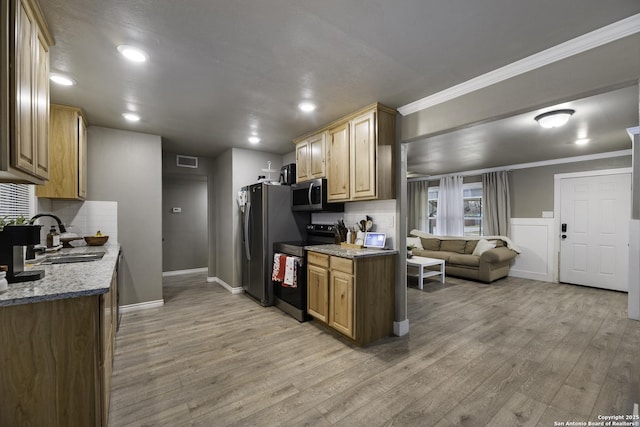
513,353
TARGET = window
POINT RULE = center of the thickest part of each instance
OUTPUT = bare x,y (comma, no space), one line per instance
16,200
472,194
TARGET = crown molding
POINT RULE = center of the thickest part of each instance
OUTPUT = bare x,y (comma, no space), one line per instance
618,30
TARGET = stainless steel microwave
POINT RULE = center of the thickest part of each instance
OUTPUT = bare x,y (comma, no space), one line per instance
311,196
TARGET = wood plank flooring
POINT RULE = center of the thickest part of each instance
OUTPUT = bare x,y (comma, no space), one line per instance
513,353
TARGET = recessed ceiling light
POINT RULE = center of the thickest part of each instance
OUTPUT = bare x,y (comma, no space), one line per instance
133,53
61,79
131,117
254,139
554,119
306,106
582,141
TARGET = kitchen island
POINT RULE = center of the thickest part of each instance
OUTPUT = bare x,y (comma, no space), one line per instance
57,336
352,291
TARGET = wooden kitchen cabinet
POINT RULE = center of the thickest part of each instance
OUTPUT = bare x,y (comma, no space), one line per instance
68,145
56,361
360,155
310,158
338,163
318,286
361,295
24,92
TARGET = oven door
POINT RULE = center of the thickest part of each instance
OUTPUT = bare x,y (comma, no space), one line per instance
297,296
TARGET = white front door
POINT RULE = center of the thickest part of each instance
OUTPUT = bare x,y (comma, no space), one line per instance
594,214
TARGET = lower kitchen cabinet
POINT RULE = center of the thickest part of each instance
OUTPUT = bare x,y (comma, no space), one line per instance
56,361
359,294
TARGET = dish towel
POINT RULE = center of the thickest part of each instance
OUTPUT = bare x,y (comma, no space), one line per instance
290,272
279,261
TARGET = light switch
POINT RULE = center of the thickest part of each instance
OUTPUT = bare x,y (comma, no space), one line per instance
176,210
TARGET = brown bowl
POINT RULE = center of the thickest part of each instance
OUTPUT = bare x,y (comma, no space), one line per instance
96,240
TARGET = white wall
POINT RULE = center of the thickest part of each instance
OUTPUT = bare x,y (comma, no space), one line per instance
535,239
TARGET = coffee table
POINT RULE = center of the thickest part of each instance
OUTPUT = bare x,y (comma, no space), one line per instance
422,263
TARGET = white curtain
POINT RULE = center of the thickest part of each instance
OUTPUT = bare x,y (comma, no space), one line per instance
417,200
450,216
496,209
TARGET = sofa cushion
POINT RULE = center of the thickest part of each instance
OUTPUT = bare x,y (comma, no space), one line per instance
470,246
483,246
465,260
456,246
415,242
430,244
432,254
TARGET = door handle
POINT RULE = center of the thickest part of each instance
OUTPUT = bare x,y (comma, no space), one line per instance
247,213
564,236
309,195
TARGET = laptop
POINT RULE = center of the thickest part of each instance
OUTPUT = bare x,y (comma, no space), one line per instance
375,240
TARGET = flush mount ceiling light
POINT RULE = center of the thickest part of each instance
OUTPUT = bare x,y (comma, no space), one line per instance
131,117
582,141
133,53
61,79
307,106
554,119
254,139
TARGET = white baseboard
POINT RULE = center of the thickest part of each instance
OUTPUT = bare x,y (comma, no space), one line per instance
181,272
225,285
401,328
141,306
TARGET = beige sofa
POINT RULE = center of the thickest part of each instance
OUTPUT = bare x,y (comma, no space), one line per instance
485,265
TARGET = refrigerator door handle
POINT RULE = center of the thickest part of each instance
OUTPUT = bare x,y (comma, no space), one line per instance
247,213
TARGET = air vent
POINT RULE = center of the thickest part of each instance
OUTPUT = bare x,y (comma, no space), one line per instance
186,161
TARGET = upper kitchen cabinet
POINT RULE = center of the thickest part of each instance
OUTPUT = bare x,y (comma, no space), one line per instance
24,93
360,155
68,144
310,157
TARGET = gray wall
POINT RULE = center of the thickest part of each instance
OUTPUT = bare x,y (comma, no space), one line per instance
187,236
126,167
234,169
532,189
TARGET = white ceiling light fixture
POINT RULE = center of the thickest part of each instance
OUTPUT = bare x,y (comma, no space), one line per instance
307,106
554,119
131,117
61,79
254,139
582,141
133,53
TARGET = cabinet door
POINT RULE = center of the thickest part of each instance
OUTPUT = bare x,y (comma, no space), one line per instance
317,155
341,305
41,117
318,292
363,157
338,163
302,161
82,158
24,153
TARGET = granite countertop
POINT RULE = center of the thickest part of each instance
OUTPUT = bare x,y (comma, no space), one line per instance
337,250
62,281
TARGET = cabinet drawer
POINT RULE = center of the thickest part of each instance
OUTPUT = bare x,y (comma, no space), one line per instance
342,264
318,259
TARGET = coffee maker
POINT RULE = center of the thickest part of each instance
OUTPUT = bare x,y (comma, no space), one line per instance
288,174
12,240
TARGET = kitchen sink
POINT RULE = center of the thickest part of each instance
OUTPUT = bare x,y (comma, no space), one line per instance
69,258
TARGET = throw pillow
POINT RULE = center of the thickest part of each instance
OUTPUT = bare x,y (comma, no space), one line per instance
415,242
483,246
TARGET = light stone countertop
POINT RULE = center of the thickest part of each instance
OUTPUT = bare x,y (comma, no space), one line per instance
62,281
339,251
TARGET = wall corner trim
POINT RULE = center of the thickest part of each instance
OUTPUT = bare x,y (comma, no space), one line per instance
401,328
225,285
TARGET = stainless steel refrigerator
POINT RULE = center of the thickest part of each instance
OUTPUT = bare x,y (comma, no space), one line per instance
266,218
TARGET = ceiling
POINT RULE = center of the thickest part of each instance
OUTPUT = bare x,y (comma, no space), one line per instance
221,70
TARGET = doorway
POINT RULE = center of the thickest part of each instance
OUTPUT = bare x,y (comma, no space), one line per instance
594,216
184,222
